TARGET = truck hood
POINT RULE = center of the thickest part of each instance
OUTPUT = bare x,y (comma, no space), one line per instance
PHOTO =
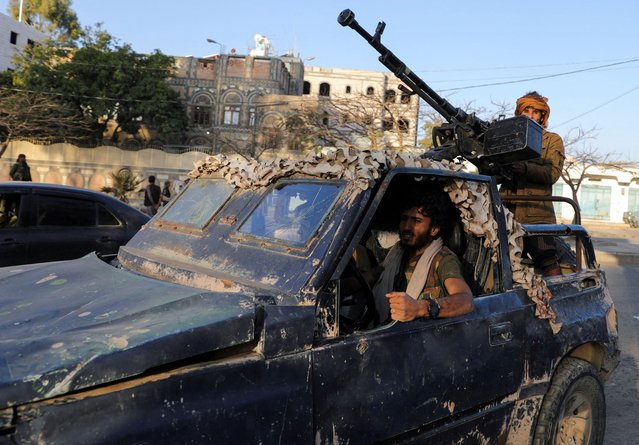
76,324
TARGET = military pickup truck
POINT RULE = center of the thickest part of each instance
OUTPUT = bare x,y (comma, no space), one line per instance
227,319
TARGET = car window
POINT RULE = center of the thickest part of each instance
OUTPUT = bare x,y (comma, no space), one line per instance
63,211
106,218
9,209
199,202
292,212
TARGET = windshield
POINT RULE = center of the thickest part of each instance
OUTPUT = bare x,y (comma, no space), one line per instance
199,202
292,212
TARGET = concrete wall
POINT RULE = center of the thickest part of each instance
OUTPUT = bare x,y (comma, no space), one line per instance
91,167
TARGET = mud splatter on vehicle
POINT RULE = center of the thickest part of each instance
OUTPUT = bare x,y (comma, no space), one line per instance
230,320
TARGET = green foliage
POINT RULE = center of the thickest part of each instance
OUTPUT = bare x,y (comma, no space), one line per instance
105,82
53,17
6,79
124,183
427,131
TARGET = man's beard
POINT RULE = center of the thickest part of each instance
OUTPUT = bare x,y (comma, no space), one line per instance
420,241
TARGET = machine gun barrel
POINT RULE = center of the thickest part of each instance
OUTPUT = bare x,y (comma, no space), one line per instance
490,146
454,115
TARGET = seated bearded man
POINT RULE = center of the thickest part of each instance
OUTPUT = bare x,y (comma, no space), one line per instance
421,277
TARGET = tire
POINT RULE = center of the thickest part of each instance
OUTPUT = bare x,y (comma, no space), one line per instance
574,408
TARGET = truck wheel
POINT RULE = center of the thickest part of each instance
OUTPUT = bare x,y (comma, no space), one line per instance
574,408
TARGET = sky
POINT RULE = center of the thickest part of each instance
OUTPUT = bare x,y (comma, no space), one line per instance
583,55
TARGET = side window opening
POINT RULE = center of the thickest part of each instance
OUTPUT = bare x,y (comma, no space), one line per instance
381,234
566,251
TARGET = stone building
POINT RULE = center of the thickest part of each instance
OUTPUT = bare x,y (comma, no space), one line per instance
14,37
239,103
394,112
225,97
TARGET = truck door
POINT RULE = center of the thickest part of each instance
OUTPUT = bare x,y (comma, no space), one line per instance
426,380
423,377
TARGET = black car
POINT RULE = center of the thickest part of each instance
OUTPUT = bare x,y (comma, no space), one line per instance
227,319
46,222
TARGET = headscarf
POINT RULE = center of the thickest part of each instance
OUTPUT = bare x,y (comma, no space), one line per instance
536,101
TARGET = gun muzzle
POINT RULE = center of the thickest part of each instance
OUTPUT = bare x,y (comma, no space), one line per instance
346,17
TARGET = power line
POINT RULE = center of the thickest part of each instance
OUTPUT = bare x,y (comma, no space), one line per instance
598,106
548,76
515,67
430,81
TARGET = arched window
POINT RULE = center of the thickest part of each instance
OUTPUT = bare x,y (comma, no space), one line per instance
405,98
271,132
201,115
252,116
307,88
389,96
324,89
403,125
232,108
370,91
325,119
348,89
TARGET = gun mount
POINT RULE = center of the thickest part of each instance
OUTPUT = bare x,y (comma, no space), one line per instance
485,144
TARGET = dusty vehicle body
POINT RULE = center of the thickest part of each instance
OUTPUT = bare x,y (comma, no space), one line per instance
226,321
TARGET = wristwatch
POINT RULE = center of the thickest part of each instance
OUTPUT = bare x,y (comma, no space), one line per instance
433,308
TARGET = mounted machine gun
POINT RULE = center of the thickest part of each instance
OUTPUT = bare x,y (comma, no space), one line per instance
488,145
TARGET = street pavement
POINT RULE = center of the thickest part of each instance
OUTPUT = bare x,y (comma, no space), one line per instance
617,250
615,243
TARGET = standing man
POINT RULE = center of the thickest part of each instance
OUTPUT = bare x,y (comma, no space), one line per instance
20,171
152,196
166,191
422,277
536,177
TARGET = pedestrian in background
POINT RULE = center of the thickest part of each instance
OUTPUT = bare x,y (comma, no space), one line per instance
20,171
166,192
152,196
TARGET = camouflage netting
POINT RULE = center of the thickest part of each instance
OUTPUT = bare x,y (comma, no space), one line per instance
364,167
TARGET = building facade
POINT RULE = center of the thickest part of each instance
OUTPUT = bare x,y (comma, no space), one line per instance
604,195
240,103
393,112
225,95
14,37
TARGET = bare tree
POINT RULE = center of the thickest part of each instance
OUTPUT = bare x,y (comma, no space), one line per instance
582,158
30,115
350,121
429,118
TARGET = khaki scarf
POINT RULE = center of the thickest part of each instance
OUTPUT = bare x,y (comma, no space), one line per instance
392,264
529,101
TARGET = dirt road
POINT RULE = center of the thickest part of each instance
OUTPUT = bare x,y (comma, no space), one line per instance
622,389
